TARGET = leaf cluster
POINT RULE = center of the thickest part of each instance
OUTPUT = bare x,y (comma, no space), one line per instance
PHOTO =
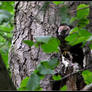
6,27
48,44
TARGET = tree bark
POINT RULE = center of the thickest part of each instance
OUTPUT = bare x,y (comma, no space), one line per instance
31,21
24,59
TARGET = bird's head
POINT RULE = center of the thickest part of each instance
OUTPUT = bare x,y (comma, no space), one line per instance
64,30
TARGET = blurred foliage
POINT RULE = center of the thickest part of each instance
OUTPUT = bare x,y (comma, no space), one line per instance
23,84
6,27
58,2
79,34
56,77
64,88
87,75
63,12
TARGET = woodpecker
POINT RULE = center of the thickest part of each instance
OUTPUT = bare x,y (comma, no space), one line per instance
76,51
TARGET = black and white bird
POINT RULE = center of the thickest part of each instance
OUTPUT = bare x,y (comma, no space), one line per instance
76,51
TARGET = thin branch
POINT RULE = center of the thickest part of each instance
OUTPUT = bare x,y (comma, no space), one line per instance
87,87
73,73
79,9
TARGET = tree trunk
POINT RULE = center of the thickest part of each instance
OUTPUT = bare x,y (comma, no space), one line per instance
24,59
31,21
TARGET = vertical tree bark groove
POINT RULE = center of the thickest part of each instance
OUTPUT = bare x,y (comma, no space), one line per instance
22,58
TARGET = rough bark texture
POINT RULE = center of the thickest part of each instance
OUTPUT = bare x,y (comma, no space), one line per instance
22,58
71,81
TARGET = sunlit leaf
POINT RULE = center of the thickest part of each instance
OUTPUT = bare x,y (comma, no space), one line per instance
51,46
72,37
56,77
87,75
84,33
82,11
23,84
58,2
77,36
74,30
29,42
64,88
6,5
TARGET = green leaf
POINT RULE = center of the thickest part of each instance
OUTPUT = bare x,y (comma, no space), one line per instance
6,29
33,82
44,69
29,42
56,77
74,30
64,88
83,22
82,11
52,64
87,75
90,45
79,40
43,39
73,19
23,84
38,73
84,33
58,2
6,20
77,37
72,37
9,6
51,46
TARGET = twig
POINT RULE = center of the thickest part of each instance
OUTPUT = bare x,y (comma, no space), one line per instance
87,87
79,9
71,74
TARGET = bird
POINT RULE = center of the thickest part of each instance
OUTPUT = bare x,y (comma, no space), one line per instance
68,50
76,51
